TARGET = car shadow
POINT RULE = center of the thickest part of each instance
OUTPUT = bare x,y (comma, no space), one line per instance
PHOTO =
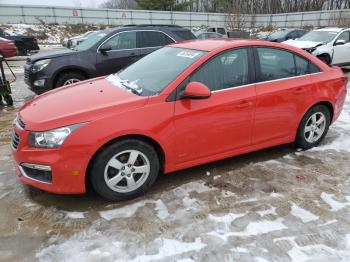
164,183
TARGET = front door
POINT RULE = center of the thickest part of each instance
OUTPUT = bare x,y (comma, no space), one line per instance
341,53
123,53
222,122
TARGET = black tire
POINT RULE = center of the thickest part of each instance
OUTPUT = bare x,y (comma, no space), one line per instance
325,58
22,51
63,78
8,99
301,140
97,169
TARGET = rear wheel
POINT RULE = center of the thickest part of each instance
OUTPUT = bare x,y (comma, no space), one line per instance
69,78
124,169
313,127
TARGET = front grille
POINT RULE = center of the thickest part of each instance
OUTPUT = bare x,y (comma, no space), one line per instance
26,73
37,172
15,140
21,124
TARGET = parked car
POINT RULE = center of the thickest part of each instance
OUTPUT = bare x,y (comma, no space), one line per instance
206,35
331,45
219,30
23,43
284,34
183,105
76,40
7,48
103,52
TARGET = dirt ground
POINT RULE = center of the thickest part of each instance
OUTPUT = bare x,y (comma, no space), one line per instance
278,204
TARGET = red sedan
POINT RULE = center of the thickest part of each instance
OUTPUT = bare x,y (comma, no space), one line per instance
183,105
7,48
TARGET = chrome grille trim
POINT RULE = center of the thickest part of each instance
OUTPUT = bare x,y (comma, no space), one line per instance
15,140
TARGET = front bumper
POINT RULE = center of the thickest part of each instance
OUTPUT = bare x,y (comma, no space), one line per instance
30,78
67,166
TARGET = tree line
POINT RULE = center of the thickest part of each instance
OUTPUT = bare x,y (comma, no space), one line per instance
230,6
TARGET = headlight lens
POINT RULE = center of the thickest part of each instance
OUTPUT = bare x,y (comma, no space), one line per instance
40,65
53,138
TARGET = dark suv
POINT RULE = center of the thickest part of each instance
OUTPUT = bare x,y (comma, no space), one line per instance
103,52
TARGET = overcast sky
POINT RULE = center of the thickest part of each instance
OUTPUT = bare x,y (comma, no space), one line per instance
75,3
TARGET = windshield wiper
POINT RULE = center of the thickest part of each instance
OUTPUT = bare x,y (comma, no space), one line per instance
132,86
125,84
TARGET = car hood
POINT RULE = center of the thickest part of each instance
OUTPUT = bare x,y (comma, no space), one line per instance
302,44
81,102
51,54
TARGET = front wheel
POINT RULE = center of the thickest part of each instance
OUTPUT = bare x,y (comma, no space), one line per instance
124,169
313,127
69,78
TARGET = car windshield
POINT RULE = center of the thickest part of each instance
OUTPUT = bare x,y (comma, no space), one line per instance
91,39
319,36
153,73
279,34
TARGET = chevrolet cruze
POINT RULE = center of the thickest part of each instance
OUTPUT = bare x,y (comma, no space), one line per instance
183,105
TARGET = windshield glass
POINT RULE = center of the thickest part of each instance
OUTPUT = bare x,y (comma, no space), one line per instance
153,73
279,34
90,41
319,36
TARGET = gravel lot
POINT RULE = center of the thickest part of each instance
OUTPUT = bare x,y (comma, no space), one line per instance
277,204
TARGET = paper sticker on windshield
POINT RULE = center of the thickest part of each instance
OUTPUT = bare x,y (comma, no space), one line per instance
188,54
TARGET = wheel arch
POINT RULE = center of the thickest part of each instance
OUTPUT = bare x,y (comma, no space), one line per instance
145,138
326,103
329,56
69,70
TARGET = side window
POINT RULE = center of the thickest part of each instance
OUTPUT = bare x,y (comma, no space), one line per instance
275,64
152,39
226,70
313,69
301,66
126,40
292,35
344,36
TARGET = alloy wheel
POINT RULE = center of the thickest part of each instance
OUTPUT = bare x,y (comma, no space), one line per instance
315,127
71,81
127,171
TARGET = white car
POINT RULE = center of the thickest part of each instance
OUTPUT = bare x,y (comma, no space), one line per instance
331,45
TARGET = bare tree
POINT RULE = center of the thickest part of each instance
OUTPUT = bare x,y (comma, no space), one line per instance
119,4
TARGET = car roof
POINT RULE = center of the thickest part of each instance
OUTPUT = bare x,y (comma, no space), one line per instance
225,43
335,29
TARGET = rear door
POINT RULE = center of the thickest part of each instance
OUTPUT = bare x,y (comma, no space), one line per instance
150,40
123,52
283,88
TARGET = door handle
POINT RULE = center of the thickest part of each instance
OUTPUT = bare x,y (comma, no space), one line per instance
132,54
299,90
244,104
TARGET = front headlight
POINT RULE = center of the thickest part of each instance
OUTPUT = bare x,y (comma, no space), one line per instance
40,65
53,138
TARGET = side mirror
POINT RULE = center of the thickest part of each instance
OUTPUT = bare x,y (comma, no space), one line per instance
105,47
196,90
340,42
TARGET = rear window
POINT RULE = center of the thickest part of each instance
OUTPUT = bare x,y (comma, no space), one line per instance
184,34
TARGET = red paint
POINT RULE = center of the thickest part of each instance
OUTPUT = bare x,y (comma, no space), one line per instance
7,48
190,132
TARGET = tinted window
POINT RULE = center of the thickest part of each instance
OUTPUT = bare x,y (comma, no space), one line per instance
125,40
275,64
293,35
313,69
152,39
221,31
227,70
184,34
301,66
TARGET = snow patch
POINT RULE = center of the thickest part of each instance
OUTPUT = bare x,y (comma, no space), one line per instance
75,215
335,205
130,210
305,215
270,211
